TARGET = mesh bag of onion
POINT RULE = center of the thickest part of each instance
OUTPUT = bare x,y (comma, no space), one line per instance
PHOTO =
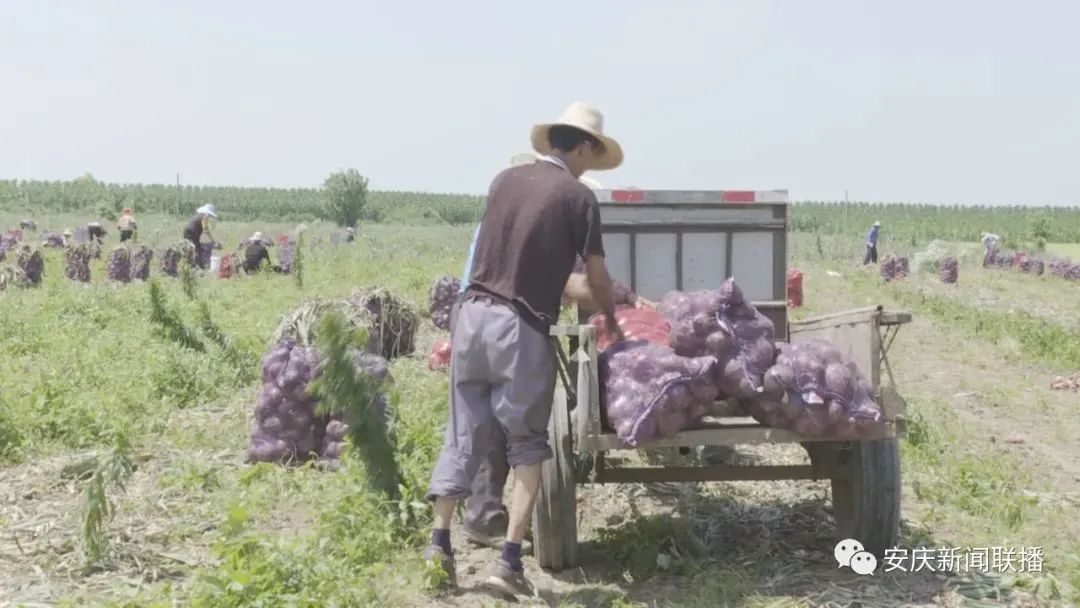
649,392
722,324
441,298
817,392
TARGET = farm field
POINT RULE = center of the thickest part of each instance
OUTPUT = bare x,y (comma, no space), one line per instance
990,461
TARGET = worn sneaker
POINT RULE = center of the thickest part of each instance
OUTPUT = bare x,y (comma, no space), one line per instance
505,580
437,558
492,540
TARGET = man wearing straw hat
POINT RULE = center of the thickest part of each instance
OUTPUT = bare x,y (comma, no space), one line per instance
485,515
538,219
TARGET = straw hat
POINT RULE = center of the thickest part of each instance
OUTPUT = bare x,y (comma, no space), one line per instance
67,232
257,237
877,224
207,210
588,119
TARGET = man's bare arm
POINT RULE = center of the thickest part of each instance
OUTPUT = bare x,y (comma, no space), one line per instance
599,282
577,291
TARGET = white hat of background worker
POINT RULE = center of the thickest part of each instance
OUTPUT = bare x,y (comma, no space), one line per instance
588,119
257,237
207,210
526,158
877,224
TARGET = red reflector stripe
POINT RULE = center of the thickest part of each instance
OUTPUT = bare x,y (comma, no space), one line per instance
628,196
738,196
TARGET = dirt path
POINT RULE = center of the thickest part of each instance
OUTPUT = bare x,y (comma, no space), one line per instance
1005,402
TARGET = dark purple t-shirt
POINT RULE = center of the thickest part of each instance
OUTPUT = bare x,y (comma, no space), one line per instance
538,220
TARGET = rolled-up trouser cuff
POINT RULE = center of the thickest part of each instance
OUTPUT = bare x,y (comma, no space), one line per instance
452,477
524,453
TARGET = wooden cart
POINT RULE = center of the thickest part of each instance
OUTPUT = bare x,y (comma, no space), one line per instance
662,240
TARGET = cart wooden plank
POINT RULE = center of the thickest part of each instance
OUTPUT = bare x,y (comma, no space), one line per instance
717,473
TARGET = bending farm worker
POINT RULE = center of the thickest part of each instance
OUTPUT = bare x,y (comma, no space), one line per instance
255,253
126,225
96,232
871,244
538,219
199,224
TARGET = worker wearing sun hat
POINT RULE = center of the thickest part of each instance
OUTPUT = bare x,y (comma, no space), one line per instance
255,253
871,244
990,243
67,234
199,224
539,217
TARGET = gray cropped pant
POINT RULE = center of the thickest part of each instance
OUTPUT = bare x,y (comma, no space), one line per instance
502,380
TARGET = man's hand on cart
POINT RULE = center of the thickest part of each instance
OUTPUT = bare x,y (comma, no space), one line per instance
599,282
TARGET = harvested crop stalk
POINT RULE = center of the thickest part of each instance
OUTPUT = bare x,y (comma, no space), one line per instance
391,324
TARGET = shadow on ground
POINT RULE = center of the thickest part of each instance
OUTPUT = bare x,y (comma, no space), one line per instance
717,550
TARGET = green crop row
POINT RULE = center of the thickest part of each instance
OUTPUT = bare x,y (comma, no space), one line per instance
904,222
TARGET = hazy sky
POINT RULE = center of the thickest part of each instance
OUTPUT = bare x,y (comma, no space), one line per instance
929,101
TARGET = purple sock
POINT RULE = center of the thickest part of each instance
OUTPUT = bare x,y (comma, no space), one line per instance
511,554
441,539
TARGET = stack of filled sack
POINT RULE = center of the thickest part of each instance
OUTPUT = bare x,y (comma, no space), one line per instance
719,346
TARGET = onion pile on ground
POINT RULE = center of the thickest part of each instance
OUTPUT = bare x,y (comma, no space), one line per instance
286,427
77,263
286,256
174,255
30,264
141,257
441,298
119,265
950,269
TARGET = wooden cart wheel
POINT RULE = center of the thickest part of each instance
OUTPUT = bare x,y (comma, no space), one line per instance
867,506
555,541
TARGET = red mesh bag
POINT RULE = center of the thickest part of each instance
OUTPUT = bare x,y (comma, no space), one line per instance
440,355
794,288
637,324
228,266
